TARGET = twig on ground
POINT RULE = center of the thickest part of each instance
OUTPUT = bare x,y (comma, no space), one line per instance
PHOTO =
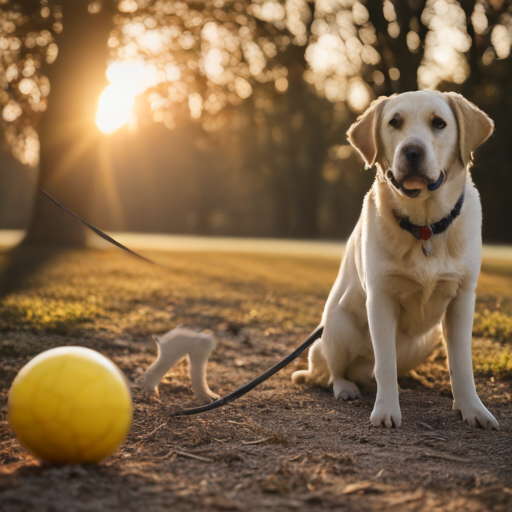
258,441
145,436
356,487
188,455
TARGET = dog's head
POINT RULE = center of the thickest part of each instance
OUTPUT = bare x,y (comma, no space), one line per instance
415,138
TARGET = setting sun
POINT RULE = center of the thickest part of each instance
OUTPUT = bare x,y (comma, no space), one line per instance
115,107
127,81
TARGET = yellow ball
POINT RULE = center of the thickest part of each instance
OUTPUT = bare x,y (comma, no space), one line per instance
70,405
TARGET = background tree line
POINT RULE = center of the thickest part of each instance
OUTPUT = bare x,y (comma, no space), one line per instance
240,108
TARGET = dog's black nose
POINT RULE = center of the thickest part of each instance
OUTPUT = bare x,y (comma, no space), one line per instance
414,153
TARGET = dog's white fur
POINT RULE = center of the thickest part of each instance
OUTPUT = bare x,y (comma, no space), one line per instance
175,345
384,313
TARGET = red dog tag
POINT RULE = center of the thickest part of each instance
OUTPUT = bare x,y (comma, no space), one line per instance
425,233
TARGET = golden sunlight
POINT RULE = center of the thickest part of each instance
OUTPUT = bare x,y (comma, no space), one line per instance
115,107
446,44
127,81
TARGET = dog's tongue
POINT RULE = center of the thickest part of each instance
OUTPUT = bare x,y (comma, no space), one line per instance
414,183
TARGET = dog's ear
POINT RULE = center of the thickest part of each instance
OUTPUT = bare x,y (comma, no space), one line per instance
363,133
475,126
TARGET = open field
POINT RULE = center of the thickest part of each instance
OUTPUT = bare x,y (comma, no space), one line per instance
279,448
191,243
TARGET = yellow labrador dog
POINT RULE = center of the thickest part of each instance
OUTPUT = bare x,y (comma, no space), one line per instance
413,257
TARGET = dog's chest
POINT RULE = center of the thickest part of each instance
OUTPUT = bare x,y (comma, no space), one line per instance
423,298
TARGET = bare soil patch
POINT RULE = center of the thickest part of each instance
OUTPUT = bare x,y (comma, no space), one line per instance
280,447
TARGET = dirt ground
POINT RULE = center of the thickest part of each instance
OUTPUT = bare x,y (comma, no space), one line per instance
279,448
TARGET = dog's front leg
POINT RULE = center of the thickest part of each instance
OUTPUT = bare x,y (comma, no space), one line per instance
383,319
459,326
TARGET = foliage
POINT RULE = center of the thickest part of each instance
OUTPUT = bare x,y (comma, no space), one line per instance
492,358
197,58
349,51
275,84
496,325
26,41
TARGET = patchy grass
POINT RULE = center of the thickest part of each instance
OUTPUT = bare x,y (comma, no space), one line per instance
22,312
491,358
279,448
493,324
91,292
492,327
81,292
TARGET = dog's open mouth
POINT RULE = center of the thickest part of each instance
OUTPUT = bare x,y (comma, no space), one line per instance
413,185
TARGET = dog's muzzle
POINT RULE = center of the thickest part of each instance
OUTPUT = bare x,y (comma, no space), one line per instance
415,192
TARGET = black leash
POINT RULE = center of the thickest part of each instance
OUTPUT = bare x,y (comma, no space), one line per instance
98,231
241,391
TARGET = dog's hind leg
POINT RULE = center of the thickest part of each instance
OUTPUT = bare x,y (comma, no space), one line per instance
318,373
360,371
342,342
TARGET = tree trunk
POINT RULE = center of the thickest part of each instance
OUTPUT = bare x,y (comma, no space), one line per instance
395,52
69,137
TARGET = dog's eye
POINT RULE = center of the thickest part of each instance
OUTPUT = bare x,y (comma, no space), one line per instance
395,121
438,123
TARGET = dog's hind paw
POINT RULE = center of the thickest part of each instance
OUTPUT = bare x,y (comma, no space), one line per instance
345,389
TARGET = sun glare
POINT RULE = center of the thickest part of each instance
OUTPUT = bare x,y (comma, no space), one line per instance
115,107
127,81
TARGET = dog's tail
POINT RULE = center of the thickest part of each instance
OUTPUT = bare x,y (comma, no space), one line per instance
318,372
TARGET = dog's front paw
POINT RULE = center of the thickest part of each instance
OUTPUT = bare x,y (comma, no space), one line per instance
477,415
387,415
